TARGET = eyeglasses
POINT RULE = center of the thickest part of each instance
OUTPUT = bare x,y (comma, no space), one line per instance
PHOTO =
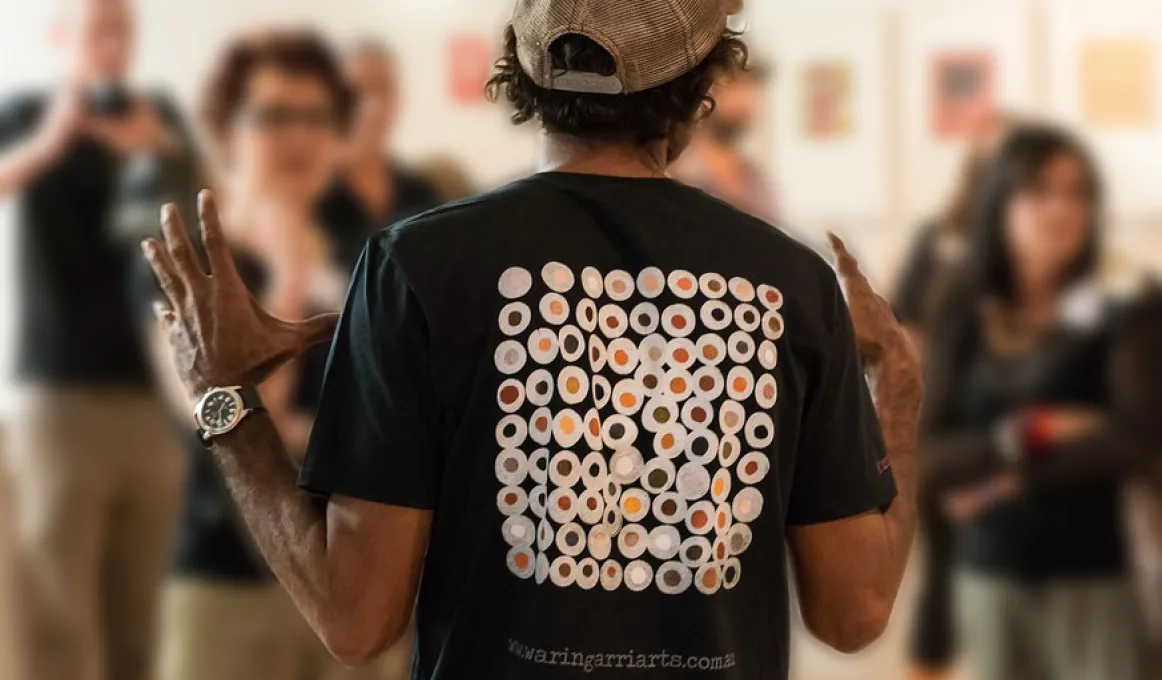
282,118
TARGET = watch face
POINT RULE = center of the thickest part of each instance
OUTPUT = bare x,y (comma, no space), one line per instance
220,411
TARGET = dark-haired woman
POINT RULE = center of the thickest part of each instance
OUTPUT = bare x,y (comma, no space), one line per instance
277,109
1019,378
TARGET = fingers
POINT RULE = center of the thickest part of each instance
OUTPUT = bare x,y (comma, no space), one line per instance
165,316
213,237
318,330
847,265
177,242
165,270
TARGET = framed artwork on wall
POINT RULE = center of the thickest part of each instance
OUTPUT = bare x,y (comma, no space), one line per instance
963,92
827,107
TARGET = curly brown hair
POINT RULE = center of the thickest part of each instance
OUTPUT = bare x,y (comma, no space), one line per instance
640,118
294,51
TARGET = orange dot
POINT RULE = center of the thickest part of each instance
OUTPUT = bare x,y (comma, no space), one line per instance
618,287
685,284
681,356
628,400
620,357
522,561
545,345
721,520
752,468
698,519
667,441
740,384
678,385
679,322
572,385
772,296
595,428
652,281
567,425
719,487
612,571
710,578
710,352
564,503
633,506
556,308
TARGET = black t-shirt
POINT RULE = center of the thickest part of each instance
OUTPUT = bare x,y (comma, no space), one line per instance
614,395
76,316
1052,532
348,220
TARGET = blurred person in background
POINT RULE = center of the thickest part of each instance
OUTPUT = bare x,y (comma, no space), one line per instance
277,110
372,189
717,162
97,471
937,261
427,374
448,178
1018,377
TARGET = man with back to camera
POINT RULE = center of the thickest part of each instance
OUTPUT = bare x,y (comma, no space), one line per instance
96,474
589,406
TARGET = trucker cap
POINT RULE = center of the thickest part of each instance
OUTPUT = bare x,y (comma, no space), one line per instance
652,42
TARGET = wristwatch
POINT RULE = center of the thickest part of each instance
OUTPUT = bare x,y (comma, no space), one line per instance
222,409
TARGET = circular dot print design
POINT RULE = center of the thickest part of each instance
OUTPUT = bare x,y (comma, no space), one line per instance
635,431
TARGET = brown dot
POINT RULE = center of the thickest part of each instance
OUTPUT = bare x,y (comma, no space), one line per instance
737,542
612,571
571,538
509,394
564,467
710,578
741,347
556,308
514,318
595,354
594,428
698,414
541,388
720,552
748,316
658,478
714,285
618,287
752,468
632,539
694,553
587,570
521,560
565,570
542,423
650,381
589,314
730,419
644,320
775,325
564,503
591,503
572,343
698,519
768,391
511,465
669,507
612,322
510,498
710,352
672,578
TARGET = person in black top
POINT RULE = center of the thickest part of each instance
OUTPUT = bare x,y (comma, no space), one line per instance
1018,377
937,261
277,110
372,190
98,472
592,407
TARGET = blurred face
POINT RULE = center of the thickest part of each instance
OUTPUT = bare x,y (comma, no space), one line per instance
96,39
1049,222
284,141
374,80
737,104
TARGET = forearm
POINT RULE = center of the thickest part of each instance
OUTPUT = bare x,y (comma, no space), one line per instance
287,525
898,391
23,164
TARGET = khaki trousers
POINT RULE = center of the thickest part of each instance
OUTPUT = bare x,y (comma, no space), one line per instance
1086,630
97,478
222,631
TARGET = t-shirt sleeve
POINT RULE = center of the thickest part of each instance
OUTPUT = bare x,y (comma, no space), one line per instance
375,432
841,465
